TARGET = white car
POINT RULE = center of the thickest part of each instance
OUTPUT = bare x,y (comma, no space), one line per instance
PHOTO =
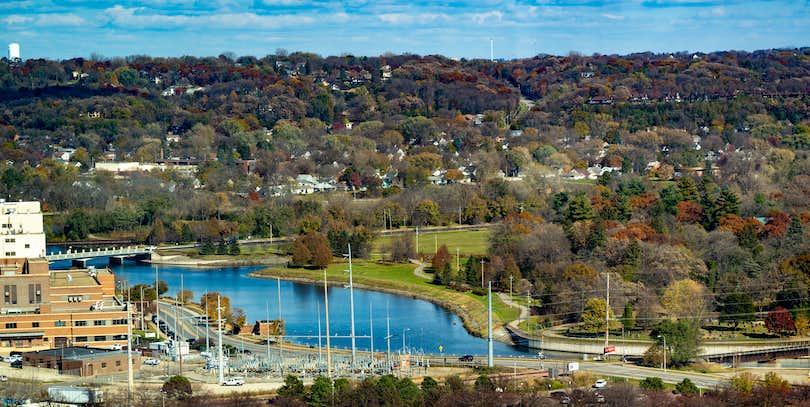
151,362
3,378
600,383
234,381
13,358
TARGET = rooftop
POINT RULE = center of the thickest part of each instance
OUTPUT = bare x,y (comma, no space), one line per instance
75,352
72,278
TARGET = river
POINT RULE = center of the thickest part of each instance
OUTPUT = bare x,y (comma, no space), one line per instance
420,325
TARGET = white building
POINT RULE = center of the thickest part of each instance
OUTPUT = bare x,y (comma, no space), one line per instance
13,51
21,230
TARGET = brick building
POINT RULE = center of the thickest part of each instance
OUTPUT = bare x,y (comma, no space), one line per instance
81,361
43,308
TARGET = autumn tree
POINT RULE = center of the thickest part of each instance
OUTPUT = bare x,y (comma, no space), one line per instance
780,321
592,318
209,302
685,299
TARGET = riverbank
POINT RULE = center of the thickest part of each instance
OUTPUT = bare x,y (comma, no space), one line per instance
399,279
214,260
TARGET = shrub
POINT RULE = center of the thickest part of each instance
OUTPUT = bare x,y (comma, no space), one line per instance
177,387
686,387
652,384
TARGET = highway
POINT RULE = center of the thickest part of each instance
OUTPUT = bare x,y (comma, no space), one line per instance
188,329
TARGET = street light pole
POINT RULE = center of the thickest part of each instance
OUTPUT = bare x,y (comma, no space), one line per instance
482,273
490,356
220,361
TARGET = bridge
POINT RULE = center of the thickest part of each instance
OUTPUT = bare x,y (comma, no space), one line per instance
79,257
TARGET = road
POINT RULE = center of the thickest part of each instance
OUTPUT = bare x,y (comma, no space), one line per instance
188,329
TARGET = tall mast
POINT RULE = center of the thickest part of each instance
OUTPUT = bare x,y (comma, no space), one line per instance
351,308
326,309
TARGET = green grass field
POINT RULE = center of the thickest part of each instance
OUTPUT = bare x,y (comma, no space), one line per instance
400,278
466,241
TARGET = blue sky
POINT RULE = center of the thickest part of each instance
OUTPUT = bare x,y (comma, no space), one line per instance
456,28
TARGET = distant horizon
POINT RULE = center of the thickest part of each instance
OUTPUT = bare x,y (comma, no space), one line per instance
383,55
461,29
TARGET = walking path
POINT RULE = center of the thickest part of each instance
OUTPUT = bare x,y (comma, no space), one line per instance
419,271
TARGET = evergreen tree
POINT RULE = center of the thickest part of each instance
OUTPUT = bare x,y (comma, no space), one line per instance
628,319
687,188
207,247
472,272
222,248
185,233
579,209
233,248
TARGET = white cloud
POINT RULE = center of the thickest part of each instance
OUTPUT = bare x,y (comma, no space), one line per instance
137,18
411,18
16,19
45,20
612,16
488,17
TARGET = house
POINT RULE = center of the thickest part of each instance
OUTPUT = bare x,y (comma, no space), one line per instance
64,154
385,72
306,184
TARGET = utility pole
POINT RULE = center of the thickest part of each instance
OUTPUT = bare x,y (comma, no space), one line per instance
458,263
267,313
607,313
157,302
510,286
417,241
207,328
351,309
320,354
280,337
220,361
177,339
328,346
388,336
490,356
130,374
371,330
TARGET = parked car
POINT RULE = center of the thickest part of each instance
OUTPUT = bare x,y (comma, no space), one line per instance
234,381
17,364
3,378
600,383
151,362
13,358
466,358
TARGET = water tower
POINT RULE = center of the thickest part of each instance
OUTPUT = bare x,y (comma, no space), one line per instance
14,51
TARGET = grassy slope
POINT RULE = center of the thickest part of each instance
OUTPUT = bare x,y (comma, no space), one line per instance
399,278
467,241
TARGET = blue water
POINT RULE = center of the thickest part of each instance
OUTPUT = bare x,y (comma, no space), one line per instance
426,326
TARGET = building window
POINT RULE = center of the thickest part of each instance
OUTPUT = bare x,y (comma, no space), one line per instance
11,325
75,298
99,322
119,321
27,246
10,240
79,323
35,325
59,323
10,294
119,337
117,363
11,254
103,365
7,225
81,339
100,338
34,293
